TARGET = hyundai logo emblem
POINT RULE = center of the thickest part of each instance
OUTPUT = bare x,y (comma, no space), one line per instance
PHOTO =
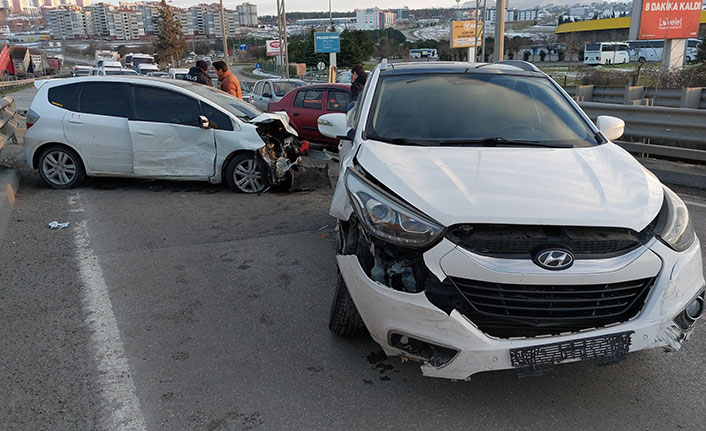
554,259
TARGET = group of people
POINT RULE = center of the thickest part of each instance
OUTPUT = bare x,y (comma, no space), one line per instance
228,82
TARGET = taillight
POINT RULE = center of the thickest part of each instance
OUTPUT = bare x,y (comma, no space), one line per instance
32,117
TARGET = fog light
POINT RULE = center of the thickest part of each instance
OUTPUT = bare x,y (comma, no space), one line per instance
434,354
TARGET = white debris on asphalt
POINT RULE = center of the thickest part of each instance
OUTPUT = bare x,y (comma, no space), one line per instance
56,225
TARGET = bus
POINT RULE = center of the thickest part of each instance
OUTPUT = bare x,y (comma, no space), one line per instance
651,50
606,53
423,53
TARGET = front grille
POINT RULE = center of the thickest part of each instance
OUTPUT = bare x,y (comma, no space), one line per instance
511,310
520,242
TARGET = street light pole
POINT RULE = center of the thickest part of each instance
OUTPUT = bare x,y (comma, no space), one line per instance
499,46
225,37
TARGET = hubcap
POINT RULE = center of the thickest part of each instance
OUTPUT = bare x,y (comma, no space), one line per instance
59,167
247,176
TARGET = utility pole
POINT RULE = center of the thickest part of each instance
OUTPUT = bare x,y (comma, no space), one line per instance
499,45
282,24
482,42
475,41
279,34
225,37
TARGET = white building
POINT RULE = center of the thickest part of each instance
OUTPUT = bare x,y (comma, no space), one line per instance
232,23
512,15
368,19
125,24
69,23
247,14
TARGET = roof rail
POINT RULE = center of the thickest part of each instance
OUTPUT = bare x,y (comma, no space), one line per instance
524,65
383,64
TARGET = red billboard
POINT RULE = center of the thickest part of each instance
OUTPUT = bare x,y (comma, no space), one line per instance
670,19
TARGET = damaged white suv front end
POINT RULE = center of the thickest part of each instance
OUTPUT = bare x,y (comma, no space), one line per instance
516,242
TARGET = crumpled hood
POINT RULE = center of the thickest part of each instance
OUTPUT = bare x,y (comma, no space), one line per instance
282,117
596,186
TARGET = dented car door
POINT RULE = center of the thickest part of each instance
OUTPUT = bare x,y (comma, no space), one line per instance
167,137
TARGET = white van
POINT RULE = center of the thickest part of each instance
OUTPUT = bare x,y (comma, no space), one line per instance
606,53
651,50
178,73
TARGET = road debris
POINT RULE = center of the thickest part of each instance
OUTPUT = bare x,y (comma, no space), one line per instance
58,225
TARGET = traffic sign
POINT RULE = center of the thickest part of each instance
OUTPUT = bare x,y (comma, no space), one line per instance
465,34
258,66
273,47
321,65
327,42
243,47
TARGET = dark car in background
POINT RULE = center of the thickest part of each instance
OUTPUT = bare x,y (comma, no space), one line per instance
305,105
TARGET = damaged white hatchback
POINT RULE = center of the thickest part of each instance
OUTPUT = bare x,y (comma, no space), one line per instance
486,223
155,128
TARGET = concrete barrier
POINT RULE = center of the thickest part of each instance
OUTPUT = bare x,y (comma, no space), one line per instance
9,183
8,121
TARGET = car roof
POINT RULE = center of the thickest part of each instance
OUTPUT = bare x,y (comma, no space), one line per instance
509,67
130,79
327,85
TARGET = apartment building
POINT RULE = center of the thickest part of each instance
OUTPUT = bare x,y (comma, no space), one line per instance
71,22
247,14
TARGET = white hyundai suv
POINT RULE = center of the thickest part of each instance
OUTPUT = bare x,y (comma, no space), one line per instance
486,223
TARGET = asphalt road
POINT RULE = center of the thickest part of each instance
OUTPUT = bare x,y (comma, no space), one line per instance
180,306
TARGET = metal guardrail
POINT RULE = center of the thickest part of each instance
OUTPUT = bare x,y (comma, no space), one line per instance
691,97
8,121
17,83
669,132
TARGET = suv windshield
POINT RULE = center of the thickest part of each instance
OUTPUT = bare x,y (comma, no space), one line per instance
244,111
462,108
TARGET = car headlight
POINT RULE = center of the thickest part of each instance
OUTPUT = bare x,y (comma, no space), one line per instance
386,217
674,226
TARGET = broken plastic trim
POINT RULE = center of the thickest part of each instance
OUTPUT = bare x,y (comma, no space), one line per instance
434,354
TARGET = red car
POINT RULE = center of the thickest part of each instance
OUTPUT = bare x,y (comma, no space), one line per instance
305,105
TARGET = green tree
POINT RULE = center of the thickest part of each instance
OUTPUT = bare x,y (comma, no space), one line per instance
171,44
701,54
356,47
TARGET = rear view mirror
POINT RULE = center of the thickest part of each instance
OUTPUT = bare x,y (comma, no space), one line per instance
203,122
333,125
612,127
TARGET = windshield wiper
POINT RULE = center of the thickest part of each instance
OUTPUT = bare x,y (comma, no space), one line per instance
498,141
400,141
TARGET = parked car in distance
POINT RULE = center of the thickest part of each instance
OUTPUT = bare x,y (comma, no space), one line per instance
246,89
304,106
485,223
178,73
153,128
145,68
111,71
109,63
80,70
272,90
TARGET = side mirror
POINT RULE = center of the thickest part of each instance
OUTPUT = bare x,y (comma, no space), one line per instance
333,125
203,122
612,127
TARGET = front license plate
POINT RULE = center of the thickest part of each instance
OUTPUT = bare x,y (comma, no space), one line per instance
607,349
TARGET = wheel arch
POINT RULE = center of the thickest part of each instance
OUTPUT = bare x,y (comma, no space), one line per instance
38,151
224,166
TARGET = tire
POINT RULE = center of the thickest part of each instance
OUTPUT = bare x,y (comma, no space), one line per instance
344,319
244,174
60,167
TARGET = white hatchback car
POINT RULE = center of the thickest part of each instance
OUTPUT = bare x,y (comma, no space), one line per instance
154,128
486,223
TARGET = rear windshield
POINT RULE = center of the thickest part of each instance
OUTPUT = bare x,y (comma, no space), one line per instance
283,87
440,109
593,47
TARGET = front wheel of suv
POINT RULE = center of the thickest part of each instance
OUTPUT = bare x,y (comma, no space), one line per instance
344,319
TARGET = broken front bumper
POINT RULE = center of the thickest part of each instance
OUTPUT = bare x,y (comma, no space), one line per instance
389,313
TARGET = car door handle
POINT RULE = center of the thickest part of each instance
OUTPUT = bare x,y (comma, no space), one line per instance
76,122
296,114
145,132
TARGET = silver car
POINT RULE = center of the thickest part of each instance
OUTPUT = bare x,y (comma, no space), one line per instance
272,90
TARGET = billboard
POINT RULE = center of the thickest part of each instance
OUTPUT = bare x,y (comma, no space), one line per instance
670,19
327,42
273,47
463,34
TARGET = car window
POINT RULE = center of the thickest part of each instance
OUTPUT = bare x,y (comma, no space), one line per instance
217,119
65,96
313,99
426,108
242,110
267,90
164,106
283,87
258,88
105,98
337,101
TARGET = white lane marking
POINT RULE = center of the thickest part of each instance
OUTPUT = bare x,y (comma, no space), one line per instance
696,204
121,405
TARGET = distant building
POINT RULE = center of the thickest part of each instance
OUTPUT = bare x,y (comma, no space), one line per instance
247,14
368,19
512,15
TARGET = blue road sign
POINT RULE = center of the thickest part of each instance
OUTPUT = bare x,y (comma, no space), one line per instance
258,66
243,47
327,42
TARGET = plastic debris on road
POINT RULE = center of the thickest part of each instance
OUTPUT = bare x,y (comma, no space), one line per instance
56,225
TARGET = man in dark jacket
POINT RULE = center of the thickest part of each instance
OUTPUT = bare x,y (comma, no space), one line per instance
358,80
199,73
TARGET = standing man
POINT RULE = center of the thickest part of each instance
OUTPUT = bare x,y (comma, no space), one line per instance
229,83
358,79
199,73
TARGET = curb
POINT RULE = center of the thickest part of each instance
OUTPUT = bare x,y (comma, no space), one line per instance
9,184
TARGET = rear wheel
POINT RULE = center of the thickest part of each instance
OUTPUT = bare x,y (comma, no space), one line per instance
60,167
244,174
344,319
